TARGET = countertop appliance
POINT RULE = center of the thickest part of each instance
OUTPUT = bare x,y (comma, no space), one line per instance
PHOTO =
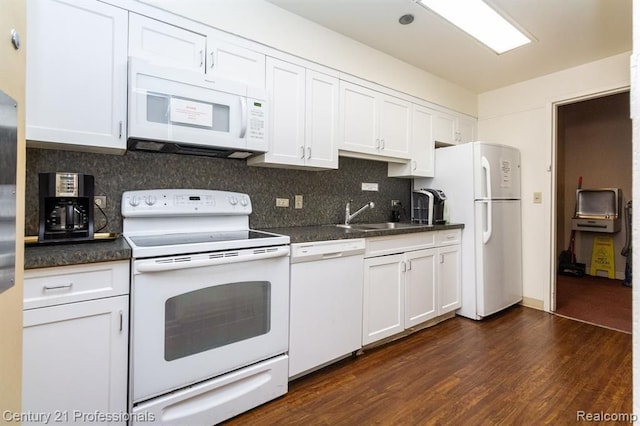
209,306
8,160
428,206
65,207
482,183
326,303
180,111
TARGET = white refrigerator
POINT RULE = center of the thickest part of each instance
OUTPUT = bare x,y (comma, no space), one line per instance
482,185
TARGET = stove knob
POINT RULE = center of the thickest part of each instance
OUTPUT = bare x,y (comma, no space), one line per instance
233,201
150,200
134,201
244,202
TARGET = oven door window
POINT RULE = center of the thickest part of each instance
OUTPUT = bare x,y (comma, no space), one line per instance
216,316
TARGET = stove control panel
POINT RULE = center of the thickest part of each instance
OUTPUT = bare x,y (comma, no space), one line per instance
184,202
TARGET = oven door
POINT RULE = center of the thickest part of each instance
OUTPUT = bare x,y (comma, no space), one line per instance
198,316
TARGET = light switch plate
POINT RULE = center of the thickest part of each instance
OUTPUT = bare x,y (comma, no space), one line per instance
282,202
297,203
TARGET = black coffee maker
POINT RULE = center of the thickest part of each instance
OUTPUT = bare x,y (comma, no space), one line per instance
66,207
428,206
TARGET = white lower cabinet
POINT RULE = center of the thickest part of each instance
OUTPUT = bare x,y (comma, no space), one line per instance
75,346
407,283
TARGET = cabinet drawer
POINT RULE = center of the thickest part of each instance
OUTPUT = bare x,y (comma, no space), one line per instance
66,284
379,246
449,237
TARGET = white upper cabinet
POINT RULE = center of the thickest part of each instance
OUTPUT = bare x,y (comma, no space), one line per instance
231,62
304,116
466,129
76,83
170,45
165,44
373,124
321,124
422,147
450,128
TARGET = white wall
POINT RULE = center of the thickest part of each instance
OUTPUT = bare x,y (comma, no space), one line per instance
521,115
265,23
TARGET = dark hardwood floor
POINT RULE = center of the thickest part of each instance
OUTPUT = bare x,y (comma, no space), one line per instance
522,366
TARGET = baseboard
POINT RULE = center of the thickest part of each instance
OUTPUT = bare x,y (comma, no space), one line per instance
530,302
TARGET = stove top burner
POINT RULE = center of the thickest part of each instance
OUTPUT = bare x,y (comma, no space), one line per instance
191,238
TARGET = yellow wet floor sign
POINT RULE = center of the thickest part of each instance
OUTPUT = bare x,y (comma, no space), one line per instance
602,258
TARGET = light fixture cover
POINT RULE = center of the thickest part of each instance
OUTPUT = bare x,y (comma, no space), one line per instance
480,21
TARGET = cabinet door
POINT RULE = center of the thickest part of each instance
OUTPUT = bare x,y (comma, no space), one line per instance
358,119
395,127
75,358
466,129
286,85
449,278
76,75
383,298
231,62
444,128
422,147
165,44
421,287
321,120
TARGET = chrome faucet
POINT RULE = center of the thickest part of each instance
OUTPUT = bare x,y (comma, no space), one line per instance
347,211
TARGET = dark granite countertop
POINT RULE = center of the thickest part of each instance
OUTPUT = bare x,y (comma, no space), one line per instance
43,256
304,234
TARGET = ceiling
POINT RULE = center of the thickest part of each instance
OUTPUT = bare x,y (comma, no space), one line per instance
567,32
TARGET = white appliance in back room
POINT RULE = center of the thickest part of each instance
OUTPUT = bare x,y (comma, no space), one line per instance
482,184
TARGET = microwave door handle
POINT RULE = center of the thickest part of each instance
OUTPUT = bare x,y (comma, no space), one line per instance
243,117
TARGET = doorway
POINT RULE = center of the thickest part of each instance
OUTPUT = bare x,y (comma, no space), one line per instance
593,139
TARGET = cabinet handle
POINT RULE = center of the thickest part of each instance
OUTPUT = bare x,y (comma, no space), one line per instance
442,258
302,152
58,287
408,265
211,54
415,164
403,266
121,320
381,143
120,130
378,144
308,152
201,58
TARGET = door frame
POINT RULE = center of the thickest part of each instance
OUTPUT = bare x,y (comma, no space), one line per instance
553,105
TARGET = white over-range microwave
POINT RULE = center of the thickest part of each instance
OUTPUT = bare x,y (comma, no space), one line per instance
180,111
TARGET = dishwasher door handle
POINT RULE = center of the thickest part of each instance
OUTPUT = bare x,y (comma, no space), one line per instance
332,255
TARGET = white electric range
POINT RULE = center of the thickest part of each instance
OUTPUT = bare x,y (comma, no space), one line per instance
209,306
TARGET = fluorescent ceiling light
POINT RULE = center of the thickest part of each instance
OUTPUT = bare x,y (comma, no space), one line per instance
480,21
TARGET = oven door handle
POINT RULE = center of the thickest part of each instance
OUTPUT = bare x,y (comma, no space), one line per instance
143,266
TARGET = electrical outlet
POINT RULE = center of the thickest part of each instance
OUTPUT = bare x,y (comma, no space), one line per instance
369,186
537,197
100,201
395,203
297,204
282,202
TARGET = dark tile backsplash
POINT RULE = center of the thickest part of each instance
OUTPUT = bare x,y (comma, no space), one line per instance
325,192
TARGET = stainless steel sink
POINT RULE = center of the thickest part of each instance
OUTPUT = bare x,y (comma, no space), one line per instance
368,227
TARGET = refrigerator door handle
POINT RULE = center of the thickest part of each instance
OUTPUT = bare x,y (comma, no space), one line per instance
486,233
486,166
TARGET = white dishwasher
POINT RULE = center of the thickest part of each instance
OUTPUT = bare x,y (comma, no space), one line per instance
325,303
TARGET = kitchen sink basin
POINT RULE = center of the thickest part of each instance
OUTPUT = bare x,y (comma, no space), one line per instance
368,227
